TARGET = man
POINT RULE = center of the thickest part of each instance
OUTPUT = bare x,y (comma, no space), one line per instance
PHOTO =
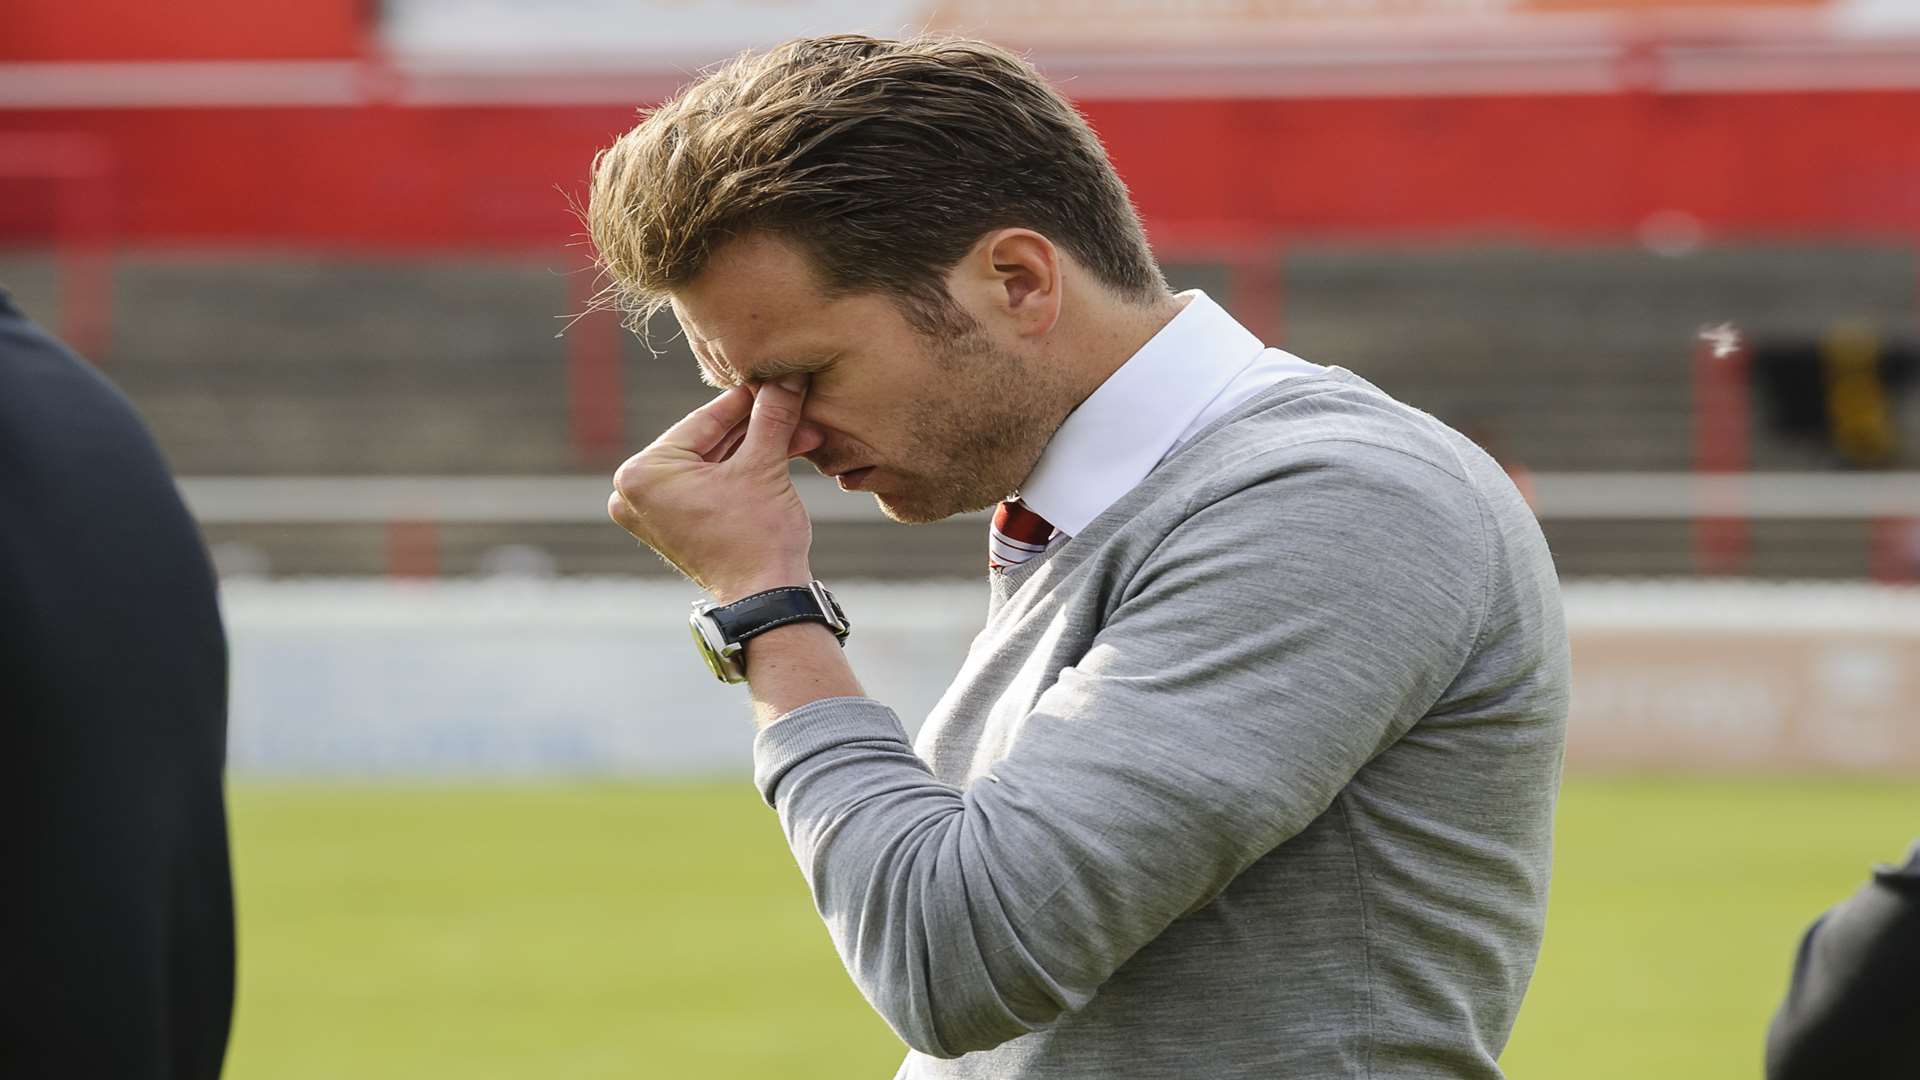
1854,1003
116,913
1251,771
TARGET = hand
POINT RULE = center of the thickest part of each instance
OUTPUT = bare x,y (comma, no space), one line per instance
713,497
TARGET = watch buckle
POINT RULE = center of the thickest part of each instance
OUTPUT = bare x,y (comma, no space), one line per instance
829,609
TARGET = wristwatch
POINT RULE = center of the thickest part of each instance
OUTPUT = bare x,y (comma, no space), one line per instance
721,632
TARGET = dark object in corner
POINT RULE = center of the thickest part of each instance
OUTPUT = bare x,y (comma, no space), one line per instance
1853,1008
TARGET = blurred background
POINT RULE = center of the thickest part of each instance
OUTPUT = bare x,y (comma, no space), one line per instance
492,818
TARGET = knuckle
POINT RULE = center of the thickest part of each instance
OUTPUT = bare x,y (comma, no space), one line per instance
777,412
626,479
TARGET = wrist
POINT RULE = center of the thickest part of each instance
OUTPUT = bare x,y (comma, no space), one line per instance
733,592
796,665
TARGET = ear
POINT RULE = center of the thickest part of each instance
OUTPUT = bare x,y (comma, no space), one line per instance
1014,274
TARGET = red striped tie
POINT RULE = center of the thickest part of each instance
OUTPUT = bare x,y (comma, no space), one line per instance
1018,534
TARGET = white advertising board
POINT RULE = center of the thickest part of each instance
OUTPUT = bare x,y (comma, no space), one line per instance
569,677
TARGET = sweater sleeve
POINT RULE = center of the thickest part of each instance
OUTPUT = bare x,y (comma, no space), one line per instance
1275,641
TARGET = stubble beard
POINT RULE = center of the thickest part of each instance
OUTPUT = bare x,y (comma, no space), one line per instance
977,437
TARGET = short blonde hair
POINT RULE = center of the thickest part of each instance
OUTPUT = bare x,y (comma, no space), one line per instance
883,160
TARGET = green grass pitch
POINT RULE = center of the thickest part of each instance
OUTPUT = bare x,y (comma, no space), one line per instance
663,931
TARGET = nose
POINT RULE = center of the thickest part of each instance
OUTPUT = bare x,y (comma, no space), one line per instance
808,439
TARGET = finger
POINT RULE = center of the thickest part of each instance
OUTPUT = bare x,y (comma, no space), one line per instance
706,427
621,511
776,413
729,444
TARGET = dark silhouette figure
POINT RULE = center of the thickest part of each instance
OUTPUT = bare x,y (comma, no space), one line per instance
1853,1009
116,907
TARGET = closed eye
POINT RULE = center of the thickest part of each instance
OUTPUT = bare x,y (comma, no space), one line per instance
774,369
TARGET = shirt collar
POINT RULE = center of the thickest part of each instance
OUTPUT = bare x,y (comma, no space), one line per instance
1115,438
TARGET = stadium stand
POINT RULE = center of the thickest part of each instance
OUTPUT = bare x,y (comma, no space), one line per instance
1560,359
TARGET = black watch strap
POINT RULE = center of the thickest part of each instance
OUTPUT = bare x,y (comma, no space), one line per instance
750,616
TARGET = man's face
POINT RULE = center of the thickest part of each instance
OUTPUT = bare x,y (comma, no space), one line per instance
931,428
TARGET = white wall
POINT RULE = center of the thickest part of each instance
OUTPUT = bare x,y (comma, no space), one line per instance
506,678
532,677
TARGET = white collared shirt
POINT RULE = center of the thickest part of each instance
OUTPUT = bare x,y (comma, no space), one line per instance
1194,371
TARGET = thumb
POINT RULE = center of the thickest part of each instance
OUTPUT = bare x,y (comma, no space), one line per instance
776,413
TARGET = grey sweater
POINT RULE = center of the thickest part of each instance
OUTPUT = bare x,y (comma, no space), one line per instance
1254,777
